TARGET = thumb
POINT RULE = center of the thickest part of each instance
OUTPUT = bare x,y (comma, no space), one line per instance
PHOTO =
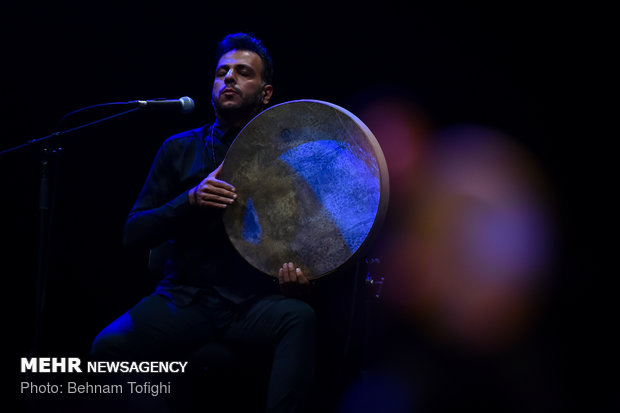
217,171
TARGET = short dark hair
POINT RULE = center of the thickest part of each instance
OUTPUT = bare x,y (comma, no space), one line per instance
244,41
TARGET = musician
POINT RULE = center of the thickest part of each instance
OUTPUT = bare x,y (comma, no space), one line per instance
209,292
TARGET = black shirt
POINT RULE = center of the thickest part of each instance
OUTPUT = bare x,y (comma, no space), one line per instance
203,258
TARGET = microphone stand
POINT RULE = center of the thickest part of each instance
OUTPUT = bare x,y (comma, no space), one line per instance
46,202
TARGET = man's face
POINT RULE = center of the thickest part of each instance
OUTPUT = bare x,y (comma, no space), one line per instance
238,85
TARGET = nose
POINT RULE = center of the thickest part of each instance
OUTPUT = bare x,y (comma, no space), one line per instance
230,76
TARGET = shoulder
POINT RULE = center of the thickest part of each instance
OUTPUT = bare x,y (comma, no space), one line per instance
192,136
190,141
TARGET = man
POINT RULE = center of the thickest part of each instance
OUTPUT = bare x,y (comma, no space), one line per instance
209,292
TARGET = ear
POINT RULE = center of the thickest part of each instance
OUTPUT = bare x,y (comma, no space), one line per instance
267,92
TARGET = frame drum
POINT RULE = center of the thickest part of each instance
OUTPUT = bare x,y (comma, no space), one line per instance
312,188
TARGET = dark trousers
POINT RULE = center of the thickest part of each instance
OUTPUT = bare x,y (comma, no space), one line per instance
157,329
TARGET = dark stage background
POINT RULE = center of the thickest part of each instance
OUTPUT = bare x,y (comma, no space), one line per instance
509,68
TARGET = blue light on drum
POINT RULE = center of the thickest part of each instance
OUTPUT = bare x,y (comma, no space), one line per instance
251,227
350,195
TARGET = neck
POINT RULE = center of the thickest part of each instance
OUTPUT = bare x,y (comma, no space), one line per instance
231,123
235,119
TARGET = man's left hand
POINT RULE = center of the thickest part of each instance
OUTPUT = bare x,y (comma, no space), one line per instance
293,282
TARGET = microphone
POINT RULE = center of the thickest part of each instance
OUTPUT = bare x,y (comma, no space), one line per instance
183,105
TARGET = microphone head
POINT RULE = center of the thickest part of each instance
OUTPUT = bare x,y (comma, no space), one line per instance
187,104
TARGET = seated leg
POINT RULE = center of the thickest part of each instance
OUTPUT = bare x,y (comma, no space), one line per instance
288,326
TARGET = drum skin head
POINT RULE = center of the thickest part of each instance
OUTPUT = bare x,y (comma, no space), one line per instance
312,188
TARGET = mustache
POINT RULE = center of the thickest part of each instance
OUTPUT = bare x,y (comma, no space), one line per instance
231,87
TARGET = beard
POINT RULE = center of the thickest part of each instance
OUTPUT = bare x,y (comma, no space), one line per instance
249,107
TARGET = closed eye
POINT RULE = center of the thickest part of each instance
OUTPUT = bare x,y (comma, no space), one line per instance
221,71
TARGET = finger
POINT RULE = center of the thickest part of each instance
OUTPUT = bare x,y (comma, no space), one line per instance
292,273
208,190
210,195
212,204
211,184
217,183
216,198
285,274
301,277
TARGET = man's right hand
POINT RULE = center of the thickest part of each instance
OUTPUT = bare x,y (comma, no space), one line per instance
212,192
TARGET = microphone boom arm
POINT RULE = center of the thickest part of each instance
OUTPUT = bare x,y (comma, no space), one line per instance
184,105
60,133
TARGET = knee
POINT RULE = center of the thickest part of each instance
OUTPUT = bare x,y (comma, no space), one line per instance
306,313
106,346
300,313
112,342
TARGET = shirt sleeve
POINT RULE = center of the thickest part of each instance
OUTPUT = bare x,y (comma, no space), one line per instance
160,205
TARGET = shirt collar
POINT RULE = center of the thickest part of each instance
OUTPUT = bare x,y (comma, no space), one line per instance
221,133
